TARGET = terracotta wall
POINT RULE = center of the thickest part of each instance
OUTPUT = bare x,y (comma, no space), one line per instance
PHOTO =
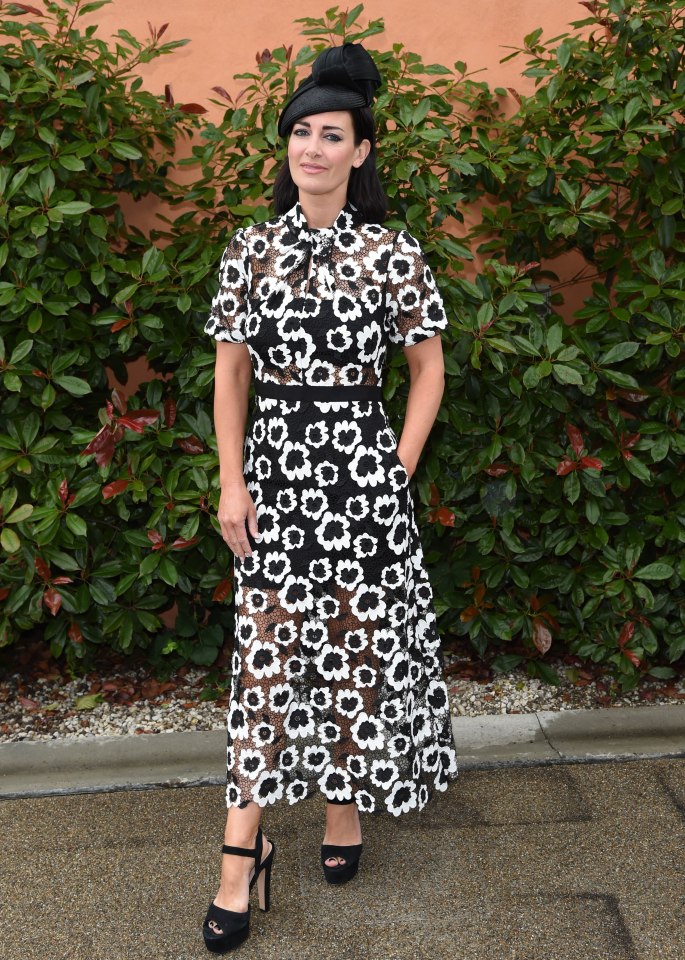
225,34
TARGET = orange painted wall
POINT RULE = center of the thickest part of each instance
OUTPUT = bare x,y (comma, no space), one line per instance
226,34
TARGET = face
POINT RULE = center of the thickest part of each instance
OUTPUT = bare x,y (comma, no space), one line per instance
322,152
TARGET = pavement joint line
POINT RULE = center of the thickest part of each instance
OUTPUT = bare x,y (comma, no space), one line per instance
544,734
173,760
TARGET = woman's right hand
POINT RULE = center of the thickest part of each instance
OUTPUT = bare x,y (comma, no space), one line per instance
237,513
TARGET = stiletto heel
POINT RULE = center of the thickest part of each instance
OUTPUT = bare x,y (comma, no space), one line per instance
224,930
264,882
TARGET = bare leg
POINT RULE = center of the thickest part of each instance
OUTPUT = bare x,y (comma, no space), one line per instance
342,827
236,871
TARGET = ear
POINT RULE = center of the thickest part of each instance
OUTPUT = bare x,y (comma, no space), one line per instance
361,152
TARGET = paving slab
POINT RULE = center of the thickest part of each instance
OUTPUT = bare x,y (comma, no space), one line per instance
555,862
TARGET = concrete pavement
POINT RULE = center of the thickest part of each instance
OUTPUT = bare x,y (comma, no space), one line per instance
534,853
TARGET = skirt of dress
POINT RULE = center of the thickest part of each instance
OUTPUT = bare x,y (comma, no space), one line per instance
337,683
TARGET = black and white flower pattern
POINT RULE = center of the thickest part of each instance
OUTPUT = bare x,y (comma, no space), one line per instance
337,682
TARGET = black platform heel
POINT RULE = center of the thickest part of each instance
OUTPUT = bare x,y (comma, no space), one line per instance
342,872
224,930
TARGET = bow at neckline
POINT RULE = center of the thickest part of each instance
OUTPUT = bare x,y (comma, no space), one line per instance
311,243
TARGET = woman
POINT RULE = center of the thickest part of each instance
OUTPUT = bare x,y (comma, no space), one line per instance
337,684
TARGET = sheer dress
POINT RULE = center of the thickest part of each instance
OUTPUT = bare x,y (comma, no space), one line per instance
337,683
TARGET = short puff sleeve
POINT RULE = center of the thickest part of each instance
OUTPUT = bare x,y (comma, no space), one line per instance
229,308
414,304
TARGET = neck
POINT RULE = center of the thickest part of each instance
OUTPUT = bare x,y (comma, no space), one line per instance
321,212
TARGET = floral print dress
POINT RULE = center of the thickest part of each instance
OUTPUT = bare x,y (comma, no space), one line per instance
337,681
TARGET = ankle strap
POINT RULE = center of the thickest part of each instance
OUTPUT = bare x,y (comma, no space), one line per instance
255,852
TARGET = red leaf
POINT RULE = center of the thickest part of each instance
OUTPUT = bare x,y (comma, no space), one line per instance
139,419
162,30
633,657
180,544
591,463
222,590
156,539
192,108
170,411
496,470
74,633
223,93
626,634
59,580
42,568
191,445
542,638
28,704
566,466
102,445
26,8
627,455
112,489
38,373
119,400
468,614
168,96
63,490
517,97
576,438
445,517
52,600
4,593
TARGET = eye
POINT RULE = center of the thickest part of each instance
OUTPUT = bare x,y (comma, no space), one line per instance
334,137
300,130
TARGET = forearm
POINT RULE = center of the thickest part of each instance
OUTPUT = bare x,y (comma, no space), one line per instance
425,395
230,415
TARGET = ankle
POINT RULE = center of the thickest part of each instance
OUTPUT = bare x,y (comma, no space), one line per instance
241,838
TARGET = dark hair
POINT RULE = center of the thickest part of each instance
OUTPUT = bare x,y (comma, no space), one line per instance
364,189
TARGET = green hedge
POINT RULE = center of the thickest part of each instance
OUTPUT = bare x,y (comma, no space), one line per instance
551,491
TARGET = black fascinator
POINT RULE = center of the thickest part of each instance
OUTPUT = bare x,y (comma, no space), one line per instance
342,78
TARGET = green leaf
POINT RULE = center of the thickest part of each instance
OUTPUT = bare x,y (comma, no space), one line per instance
9,540
124,151
73,385
655,571
71,163
76,524
20,514
620,351
566,374
73,208
21,351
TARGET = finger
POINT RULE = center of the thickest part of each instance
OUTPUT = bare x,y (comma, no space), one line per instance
242,543
252,521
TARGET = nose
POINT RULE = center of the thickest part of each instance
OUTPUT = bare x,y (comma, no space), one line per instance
313,148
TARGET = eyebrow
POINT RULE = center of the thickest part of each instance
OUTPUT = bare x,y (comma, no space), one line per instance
303,123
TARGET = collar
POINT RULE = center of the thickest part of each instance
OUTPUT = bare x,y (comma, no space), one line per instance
320,237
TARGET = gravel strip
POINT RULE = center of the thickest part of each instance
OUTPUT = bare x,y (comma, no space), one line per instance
129,702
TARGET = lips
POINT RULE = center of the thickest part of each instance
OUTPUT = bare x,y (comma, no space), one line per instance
311,168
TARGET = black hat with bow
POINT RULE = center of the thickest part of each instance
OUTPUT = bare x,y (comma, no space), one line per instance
342,78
